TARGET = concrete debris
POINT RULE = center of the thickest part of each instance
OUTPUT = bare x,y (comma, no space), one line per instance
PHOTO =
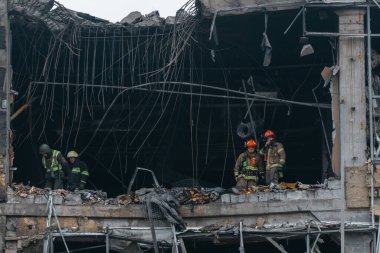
199,195
69,198
170,20
56,19
151,19
93,197
20,193
60,18
284,186
31,7
212,227
132,18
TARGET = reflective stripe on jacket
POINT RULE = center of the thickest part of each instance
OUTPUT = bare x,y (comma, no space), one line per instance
248,166
55,165
275,154
79,173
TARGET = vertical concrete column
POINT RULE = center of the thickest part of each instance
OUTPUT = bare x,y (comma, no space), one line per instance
4,92
358,243
352,97
4,107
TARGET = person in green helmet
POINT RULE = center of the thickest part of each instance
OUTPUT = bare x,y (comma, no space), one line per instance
55,166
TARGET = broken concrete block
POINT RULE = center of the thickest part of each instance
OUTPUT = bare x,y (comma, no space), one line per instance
277,196
225,198
40,199
170,20
12,198
263,196
57,200
296,195
333,184
73,199
234,198
153,14
253,198
151,19
132,18
243,198
327,194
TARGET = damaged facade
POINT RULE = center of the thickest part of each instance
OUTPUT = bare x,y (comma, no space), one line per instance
179,96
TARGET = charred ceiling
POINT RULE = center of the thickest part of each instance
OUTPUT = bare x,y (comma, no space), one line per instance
169,97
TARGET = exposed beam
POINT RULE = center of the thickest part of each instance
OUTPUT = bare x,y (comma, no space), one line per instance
277,245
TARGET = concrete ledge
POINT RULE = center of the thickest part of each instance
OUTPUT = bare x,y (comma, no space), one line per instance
208,210
281,196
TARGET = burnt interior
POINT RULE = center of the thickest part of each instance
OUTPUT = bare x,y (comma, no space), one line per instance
186,134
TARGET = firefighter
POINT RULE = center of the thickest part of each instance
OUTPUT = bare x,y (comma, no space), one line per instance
78,172
274,158
55,166
248,167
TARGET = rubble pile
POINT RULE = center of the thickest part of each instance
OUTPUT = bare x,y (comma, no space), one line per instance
282,187
184,196
24,190
153,19
93,197
198,195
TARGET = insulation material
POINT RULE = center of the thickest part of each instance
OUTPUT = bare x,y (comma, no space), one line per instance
376,210
356,188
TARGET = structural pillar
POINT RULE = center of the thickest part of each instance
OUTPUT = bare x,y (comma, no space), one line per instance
358,243
352,97
5,80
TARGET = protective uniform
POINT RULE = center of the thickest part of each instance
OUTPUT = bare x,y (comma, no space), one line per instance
275,158
55,167
78,173
247,169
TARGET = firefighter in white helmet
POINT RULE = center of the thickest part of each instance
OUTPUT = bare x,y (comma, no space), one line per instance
78,172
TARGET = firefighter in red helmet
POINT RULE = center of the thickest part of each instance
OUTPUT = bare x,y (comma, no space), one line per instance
248,166
274,158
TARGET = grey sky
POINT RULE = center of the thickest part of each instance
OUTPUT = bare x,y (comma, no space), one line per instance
115,10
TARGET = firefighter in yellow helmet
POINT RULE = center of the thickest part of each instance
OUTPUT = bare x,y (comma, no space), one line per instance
274,158
248,167
78,172
55,166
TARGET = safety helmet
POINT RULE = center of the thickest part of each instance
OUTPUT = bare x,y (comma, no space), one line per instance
72,154
250,143
269,133
45,149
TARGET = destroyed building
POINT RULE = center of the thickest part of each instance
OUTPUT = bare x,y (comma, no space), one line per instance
176,97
